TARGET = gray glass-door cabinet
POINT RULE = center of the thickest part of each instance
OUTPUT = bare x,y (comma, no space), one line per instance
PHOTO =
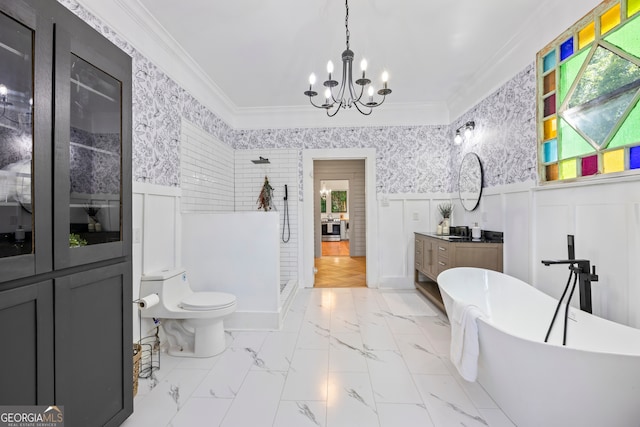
26,52
92,87
65,215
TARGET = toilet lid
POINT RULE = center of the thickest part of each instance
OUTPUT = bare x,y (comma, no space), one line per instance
208,301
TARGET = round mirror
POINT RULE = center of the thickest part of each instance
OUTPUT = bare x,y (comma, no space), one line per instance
470,181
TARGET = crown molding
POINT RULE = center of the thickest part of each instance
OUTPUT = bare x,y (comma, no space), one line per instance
135,24
132,21
306,116
550,19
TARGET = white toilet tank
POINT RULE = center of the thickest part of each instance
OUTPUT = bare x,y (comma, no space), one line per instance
170,285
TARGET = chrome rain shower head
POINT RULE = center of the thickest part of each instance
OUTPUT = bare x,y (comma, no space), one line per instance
261,161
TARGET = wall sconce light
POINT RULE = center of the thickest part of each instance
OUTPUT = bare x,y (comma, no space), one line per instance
3,93
466,130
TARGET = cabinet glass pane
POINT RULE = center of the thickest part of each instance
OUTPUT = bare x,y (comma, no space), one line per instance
94,155
16,138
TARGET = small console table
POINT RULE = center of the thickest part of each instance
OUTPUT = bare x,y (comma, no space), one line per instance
434,254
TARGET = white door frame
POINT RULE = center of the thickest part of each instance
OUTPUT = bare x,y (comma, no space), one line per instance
369,157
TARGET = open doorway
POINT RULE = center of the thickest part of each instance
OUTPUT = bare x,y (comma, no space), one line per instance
310,224
340,223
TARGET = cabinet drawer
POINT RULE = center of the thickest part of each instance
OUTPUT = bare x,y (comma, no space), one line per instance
443,250
442,264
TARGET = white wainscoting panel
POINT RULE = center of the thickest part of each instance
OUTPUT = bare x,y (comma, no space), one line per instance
603,218
156,228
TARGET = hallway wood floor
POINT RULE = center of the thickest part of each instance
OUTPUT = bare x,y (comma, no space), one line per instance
340,248
336,269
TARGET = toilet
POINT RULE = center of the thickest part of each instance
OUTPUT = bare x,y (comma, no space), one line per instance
192,321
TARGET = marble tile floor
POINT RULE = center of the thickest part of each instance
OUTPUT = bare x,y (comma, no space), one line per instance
341,359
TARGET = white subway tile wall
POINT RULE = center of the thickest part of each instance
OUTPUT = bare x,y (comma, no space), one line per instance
282,170
206,172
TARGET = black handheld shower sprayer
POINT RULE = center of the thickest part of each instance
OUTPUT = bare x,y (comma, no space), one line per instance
285,216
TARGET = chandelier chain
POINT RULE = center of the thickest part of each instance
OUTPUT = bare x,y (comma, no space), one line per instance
346,21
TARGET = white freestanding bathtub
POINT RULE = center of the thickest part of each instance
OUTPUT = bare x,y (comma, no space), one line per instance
592,381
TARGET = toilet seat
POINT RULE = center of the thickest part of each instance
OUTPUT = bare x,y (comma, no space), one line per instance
203,301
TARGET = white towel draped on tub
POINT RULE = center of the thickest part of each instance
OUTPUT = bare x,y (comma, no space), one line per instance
464,339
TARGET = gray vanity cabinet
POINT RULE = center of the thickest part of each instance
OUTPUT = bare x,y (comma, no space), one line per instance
65,215
435,254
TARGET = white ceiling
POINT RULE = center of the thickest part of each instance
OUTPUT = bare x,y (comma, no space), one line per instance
256,55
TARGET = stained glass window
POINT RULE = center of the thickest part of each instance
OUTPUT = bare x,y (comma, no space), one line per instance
588,97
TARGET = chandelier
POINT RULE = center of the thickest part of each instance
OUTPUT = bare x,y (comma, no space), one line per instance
347,95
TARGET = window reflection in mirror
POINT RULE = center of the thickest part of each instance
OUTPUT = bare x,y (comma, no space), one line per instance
16,138
95,151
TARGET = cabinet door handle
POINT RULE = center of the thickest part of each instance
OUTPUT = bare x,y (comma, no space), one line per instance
441,248
441,263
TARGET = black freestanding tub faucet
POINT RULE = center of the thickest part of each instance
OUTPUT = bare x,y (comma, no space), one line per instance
586,274
581,271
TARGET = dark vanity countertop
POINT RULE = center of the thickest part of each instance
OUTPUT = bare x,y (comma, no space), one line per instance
487,237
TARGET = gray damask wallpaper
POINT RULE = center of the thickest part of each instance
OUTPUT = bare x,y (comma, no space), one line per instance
94,162
414,159
505,133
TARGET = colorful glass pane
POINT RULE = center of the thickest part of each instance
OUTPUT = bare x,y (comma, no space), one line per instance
627,37
633,7
549,61
629,132
605,90
549,83
610,19
566,49
573,144
551,151
606,73
550,129
613,161
552,172
569,71
568,169
598,121
550,105
586,35
634,157
590,165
